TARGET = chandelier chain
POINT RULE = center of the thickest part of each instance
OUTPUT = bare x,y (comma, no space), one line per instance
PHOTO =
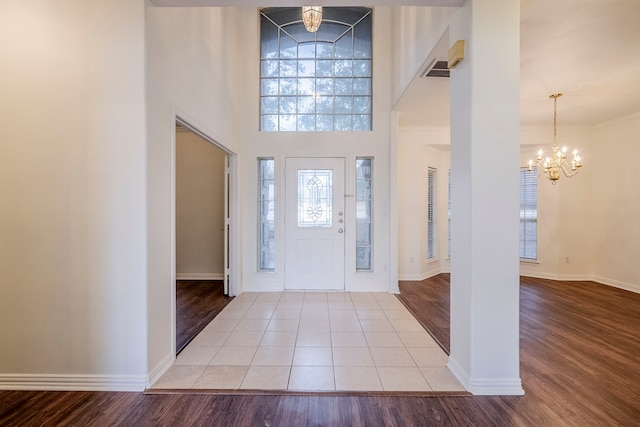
552,166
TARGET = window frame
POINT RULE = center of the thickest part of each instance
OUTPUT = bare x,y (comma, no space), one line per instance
345,104
432,215
368,201
262,215
528,215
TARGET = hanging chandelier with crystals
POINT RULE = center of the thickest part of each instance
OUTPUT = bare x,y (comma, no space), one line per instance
312,17
551,166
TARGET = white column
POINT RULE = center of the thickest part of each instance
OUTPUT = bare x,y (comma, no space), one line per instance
485,122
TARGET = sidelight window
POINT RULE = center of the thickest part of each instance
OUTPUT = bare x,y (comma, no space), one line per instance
364,214
266,220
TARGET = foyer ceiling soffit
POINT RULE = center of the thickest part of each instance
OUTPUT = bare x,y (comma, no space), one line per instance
276,3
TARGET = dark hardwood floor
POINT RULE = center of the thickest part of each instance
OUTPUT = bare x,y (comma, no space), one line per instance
197,303
580,365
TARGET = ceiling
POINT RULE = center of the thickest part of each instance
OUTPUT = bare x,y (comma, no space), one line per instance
587,49
270,3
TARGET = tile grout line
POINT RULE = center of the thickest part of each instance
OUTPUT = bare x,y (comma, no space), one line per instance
340,305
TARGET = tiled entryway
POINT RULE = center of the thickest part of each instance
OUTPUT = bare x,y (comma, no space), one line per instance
313,341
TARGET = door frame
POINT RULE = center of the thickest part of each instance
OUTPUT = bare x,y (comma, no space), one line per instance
231,243
346,207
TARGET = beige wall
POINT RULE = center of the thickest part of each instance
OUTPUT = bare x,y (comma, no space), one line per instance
72,194
199,208
194,70
616,202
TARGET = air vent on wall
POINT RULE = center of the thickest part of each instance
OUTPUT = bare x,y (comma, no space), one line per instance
437,68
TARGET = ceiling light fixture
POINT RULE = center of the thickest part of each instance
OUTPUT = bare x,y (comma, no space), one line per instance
552,165
312,17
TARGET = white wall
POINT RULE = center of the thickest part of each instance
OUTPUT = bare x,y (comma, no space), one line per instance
350,145
564,217
616,202
419,151
199,208
194,69
416,31
589,219
72,185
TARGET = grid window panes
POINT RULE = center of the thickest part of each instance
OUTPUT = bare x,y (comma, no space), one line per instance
431,213
315,81
528,213
364,213
266,220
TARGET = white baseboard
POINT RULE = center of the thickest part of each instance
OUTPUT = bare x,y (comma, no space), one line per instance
631,287
411,277
486,386
584,278
418,277
160,369
72,382
496,387
618,284
458,372
261,287
199,276
551,276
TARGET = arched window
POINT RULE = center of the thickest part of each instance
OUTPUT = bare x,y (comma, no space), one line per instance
318,81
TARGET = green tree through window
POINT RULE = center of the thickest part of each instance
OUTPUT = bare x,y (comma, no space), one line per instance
315,81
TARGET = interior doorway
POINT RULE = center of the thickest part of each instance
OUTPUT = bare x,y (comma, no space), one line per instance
202,229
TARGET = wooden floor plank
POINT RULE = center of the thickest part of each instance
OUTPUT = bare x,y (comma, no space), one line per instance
197,303
580,366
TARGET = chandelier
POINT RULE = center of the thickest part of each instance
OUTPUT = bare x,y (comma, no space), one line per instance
311,17
557,162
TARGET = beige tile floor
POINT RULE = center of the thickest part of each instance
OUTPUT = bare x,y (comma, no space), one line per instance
313,341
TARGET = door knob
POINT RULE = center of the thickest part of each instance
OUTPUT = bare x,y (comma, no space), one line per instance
340,230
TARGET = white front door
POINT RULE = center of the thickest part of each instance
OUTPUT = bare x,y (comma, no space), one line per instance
315,219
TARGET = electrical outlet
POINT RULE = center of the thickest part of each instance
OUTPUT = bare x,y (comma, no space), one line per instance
566,260
411,260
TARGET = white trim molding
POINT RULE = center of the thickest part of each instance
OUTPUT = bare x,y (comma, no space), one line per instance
486,386
73,382
617,284
160,369
495,387
631,287
414,277
420,276
199,276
